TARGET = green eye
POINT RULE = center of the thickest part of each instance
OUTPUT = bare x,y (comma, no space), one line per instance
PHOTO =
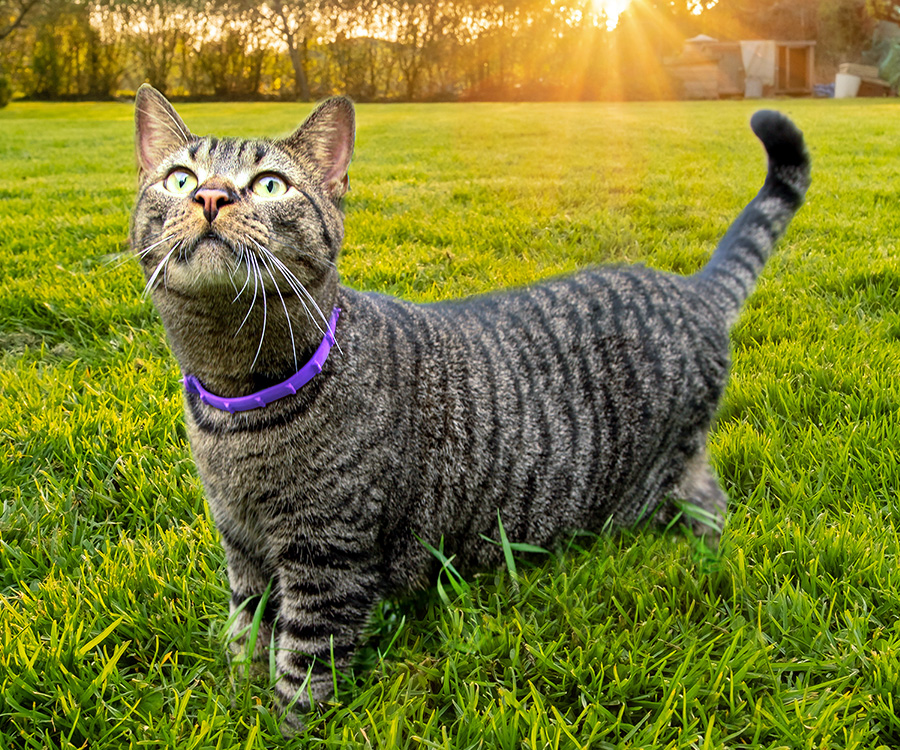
180,182
270,186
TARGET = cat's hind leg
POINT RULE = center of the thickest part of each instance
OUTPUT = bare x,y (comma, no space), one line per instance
700,499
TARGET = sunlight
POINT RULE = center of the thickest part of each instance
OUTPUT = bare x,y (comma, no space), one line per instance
612,9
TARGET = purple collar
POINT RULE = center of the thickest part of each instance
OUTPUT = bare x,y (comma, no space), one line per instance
267,395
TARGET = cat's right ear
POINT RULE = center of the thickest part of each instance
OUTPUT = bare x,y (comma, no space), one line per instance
158,129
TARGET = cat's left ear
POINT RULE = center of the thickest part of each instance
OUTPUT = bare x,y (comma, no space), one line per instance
326,140
158,129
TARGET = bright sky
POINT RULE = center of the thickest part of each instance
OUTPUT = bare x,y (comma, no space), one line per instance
612,9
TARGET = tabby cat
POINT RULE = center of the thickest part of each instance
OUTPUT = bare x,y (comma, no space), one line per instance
335,431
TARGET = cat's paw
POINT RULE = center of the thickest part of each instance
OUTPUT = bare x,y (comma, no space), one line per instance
249,644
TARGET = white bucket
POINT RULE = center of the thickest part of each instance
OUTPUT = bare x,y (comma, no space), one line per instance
846,86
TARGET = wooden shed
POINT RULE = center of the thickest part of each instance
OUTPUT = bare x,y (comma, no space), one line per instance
710,69
697,74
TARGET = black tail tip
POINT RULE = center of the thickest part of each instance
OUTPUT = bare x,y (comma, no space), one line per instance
782,139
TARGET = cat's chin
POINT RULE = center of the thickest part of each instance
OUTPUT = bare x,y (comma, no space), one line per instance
210,264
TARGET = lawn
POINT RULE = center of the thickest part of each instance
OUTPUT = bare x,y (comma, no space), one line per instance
112,589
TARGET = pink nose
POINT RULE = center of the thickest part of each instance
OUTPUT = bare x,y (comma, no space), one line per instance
212,199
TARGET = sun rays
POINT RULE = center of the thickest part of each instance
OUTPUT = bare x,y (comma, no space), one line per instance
611,10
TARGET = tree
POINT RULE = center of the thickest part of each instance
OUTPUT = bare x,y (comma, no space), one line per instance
228,59
292,21
13,14
884,10
12,17
74,52
154,30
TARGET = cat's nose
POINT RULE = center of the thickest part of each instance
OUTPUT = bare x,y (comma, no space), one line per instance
212,199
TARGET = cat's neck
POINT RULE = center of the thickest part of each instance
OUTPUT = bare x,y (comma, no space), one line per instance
234,353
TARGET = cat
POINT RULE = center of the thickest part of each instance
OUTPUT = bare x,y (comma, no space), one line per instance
336,432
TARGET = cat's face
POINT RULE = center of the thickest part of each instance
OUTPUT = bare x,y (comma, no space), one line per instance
216,215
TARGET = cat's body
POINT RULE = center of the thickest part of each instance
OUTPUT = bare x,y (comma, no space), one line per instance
570,404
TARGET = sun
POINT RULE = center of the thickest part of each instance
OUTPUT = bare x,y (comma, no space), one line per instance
611,9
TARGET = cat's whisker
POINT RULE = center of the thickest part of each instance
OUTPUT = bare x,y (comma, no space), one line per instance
262,334
284,307
180,245
143,253
159,267
235,264
250,267
291,280
301,300
296,286
115,262
298,289
243,251
301,291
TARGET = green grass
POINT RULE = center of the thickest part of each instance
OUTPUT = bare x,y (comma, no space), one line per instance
112,591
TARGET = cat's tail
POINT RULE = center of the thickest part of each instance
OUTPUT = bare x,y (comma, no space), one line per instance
731,273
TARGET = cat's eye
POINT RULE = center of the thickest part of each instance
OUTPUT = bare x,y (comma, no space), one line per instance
180,182
270,186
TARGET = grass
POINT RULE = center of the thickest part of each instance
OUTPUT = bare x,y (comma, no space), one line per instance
113,598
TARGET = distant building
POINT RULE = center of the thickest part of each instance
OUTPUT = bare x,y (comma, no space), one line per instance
710,69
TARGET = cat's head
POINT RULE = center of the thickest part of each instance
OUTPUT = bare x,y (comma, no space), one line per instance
217,213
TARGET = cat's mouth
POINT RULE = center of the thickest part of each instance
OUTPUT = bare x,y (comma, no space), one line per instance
210,243
209,260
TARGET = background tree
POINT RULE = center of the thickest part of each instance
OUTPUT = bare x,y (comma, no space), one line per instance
12,16
75,51
226,56
381,50
154,30
293,21
884,10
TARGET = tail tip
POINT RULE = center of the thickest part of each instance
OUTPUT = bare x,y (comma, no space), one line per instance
782,139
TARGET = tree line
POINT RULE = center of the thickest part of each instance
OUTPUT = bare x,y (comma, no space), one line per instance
387,50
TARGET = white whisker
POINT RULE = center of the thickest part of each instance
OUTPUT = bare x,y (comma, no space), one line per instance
115,261
262,334
159,267
247,280
297,287
147,249
284,307
250,266
235,264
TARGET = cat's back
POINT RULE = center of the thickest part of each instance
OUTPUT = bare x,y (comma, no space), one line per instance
629,322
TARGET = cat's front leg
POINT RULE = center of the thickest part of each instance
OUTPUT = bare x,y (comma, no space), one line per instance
327,596
250,577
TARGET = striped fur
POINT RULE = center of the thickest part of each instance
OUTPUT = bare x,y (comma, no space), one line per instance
570,404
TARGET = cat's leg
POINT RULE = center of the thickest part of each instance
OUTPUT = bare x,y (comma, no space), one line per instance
326,601
701,500
249,576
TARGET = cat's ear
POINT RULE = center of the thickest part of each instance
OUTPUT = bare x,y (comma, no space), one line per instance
158,128
326,140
